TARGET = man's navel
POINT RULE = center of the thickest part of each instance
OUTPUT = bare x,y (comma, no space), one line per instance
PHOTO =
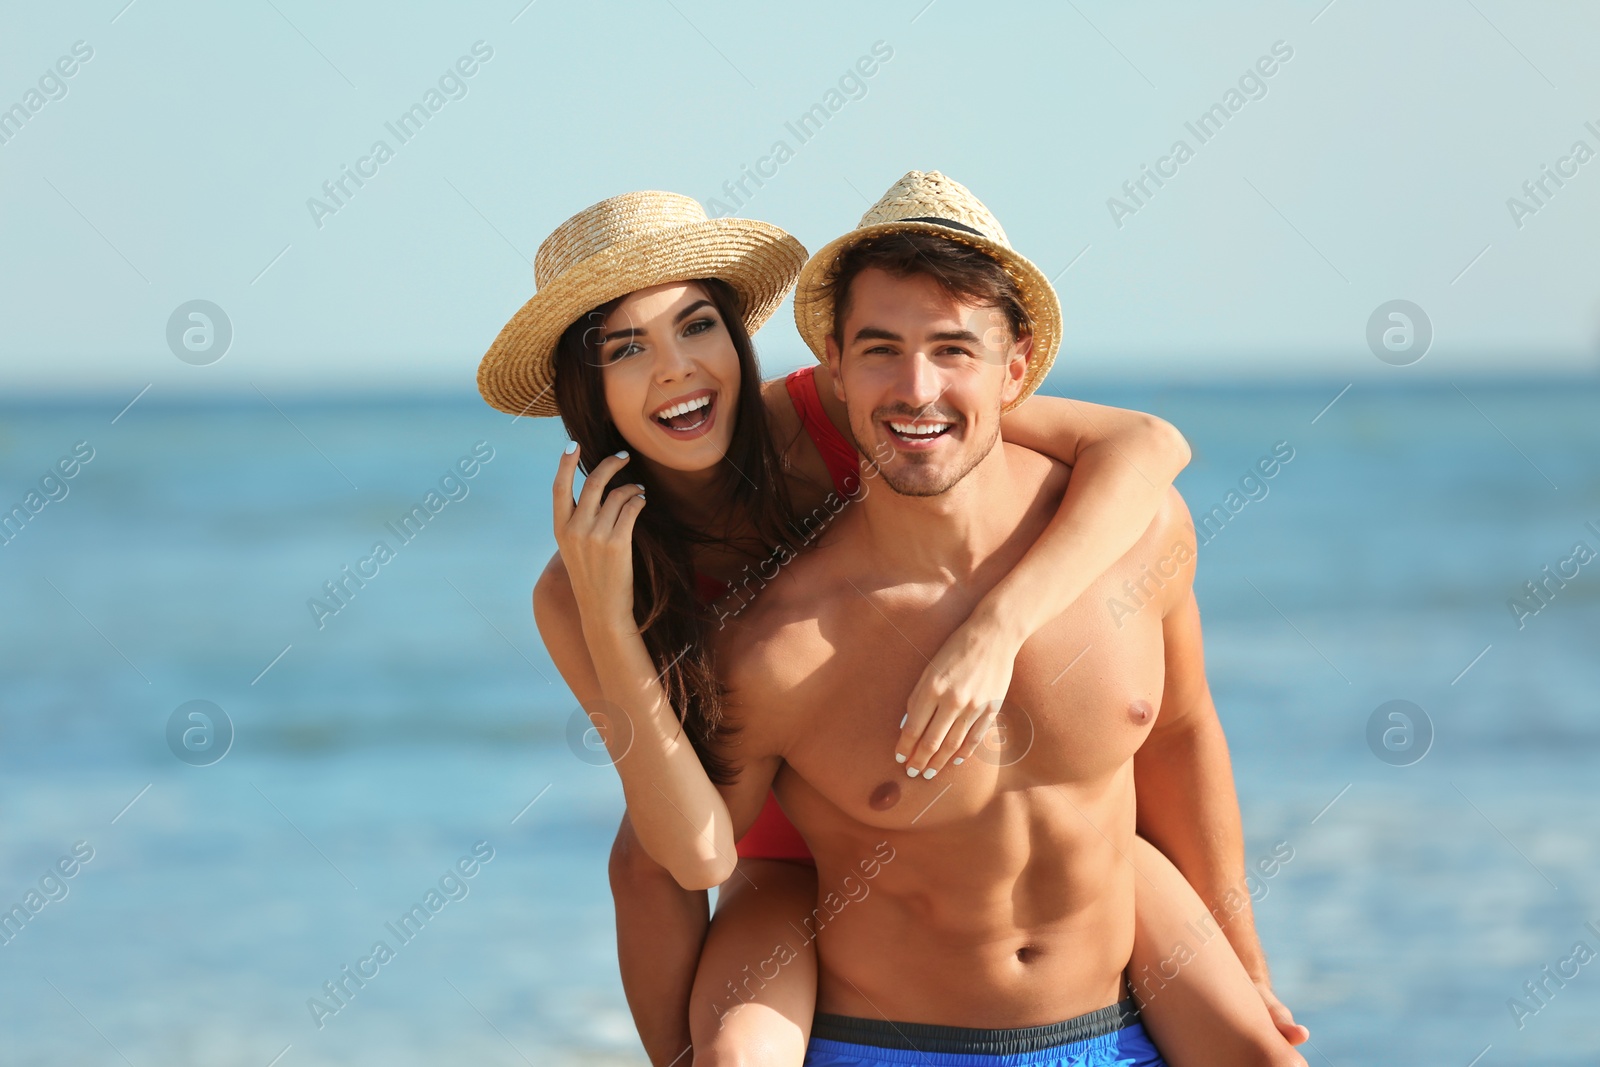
885,796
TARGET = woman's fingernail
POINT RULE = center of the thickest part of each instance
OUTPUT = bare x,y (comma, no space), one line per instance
899,758
912,771
959,760
903,719
572,446
930,772
623,454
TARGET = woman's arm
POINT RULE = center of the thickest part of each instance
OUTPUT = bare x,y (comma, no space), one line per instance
679,818
584,606
1123,462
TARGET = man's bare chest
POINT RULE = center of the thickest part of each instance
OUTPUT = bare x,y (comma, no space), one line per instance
1084,693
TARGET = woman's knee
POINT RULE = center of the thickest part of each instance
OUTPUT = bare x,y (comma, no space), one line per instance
756,987
747,1035
630,865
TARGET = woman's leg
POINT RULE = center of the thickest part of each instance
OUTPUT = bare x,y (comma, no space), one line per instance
1199,1005
756,988
660,928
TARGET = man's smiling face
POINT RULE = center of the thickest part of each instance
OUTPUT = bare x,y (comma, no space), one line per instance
924,375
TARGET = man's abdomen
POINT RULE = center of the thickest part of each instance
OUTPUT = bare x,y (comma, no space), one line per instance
984,932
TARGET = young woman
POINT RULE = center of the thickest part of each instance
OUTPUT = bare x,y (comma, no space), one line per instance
639,339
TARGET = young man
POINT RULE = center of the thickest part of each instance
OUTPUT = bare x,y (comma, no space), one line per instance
988,911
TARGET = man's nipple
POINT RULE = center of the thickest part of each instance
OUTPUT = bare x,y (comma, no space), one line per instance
885,796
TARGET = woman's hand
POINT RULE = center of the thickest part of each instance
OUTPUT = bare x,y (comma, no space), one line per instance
958,696
595,537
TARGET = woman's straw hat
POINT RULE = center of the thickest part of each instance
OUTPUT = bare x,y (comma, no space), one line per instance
620,245
931,203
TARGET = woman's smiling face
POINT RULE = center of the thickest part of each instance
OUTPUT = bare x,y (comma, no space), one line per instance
671,375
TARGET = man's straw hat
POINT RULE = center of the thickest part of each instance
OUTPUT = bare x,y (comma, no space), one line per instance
931,203
620,245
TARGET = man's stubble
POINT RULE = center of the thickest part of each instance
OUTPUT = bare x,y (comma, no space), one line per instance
917,475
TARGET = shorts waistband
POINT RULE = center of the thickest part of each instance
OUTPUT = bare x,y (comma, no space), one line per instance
961,1040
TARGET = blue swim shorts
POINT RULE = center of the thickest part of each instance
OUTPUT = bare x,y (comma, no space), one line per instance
1109,1037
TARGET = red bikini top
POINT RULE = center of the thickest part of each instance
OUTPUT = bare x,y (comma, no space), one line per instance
838,454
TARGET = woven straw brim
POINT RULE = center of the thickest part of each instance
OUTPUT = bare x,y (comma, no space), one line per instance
813,311
760,262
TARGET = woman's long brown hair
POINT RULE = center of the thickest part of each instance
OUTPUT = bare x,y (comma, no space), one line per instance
673,621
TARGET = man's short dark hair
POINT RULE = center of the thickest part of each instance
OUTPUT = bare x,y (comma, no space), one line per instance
961,270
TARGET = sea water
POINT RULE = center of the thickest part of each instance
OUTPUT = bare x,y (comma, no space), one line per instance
386,726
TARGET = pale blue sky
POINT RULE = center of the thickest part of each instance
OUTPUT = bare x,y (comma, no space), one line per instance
1377,166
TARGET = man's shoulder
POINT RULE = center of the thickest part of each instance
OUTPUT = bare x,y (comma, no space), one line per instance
780,611
1169,548
1173,524
775,639
1041,478
1035,469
